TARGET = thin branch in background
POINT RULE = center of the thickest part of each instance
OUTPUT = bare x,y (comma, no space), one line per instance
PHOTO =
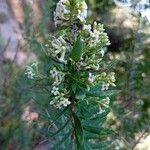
11,69
5,47
15,57
143,136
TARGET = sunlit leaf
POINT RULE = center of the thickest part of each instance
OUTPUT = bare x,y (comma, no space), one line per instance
97,92
96,130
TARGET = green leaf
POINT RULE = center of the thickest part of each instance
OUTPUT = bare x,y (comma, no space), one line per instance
78,132
87,110
65,137
112,65
59,130
99,131
96,92
77,50
80,94
74,87
101,145
88,147
97,119
102,115
58,116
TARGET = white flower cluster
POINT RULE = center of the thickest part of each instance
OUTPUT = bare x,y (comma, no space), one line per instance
104,103
109,80
105,86
89,63
58,48
97,36
59,96
82,11
91,77
64,11
92,62
31,71
94,39
106,79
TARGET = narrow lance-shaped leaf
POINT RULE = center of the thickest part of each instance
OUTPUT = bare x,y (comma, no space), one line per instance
97,119
78,132
102,145
96,92
99,131
80,94
59,130
56,146
88,147
58,116
77,49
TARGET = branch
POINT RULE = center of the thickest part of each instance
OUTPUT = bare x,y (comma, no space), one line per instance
139,139
5,48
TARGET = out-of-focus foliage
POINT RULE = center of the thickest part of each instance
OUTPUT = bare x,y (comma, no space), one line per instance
134,100
129,34
16,102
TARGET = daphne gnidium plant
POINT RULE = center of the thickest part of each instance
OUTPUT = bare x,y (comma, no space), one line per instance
78,79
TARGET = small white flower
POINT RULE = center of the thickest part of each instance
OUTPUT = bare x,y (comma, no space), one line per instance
65,102
58,105
61,12
56,46
62,57
87,27
59,49
55,91
102,52
54,72
57,76
100,110
80,16
105,86
106,102
61,39
97,36
30,74
113,84
56,83
104,74
112,77
81,64
82,12
52,102
97,67
91,78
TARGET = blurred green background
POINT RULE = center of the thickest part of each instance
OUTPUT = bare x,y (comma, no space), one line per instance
23,28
